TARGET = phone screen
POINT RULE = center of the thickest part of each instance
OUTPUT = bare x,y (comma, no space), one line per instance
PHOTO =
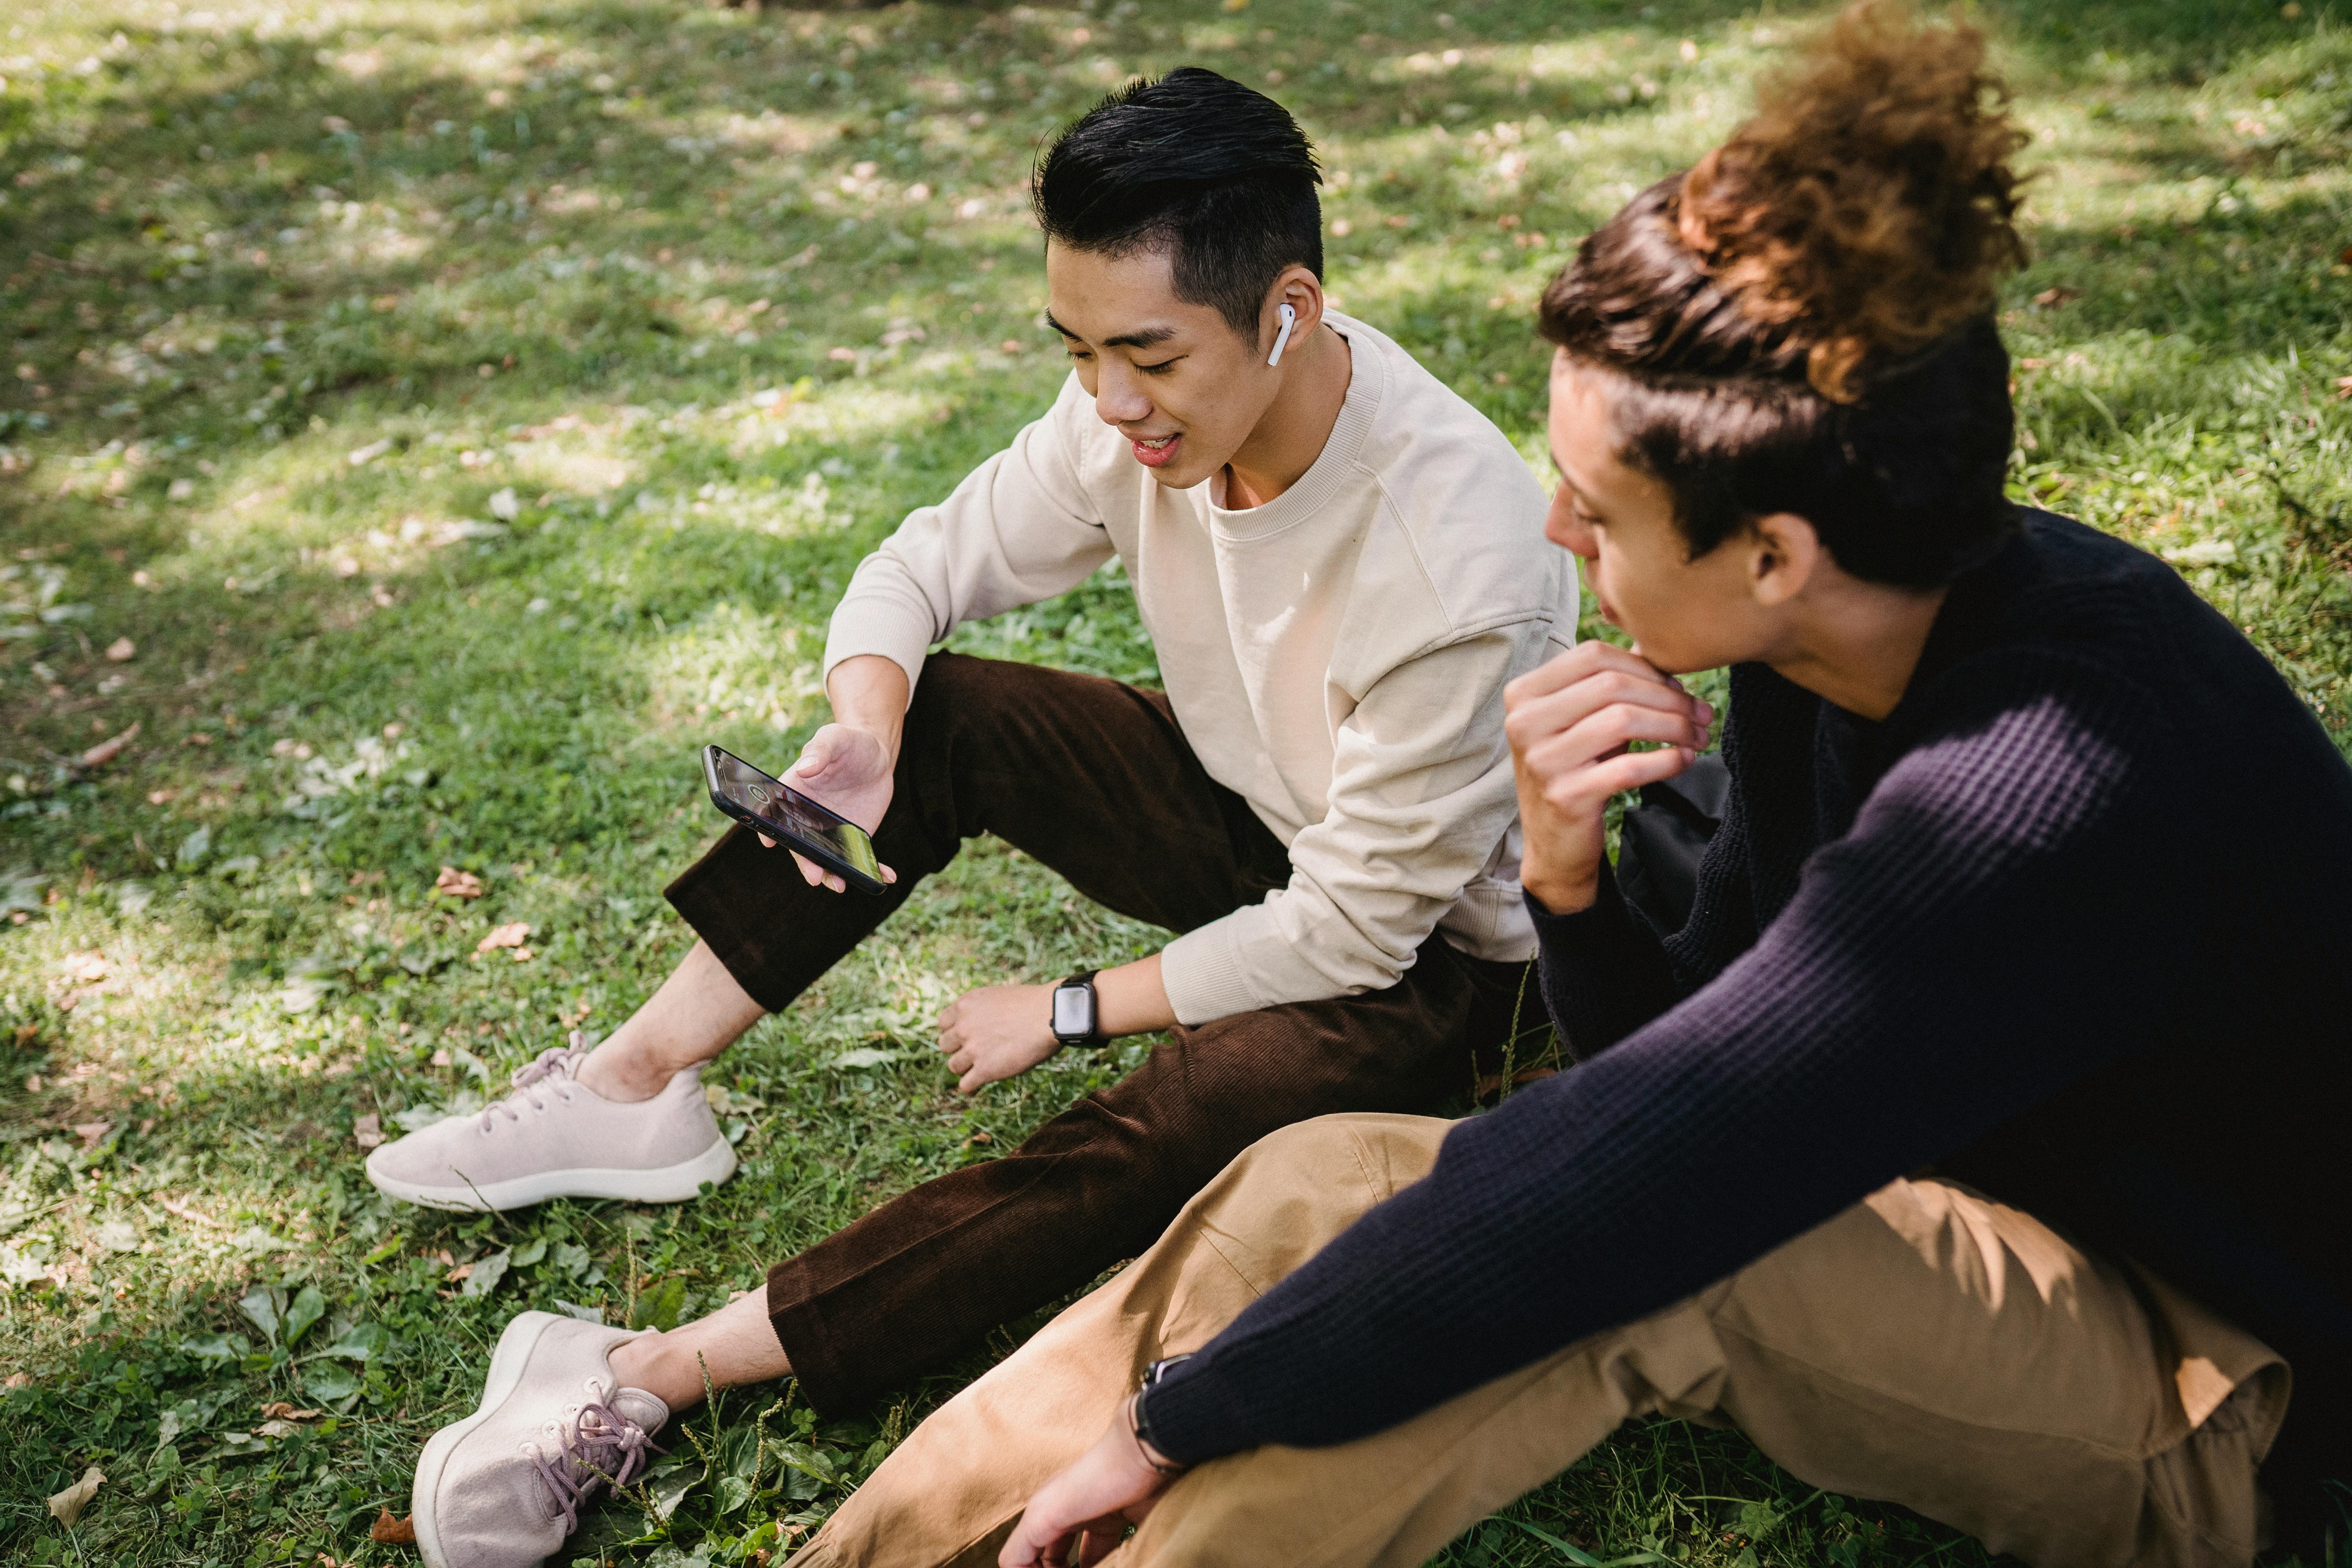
787,808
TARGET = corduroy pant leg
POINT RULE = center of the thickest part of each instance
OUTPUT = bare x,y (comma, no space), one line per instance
1090,777
1095,780
933,1269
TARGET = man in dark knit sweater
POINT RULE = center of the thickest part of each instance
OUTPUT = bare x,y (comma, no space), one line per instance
1973,1145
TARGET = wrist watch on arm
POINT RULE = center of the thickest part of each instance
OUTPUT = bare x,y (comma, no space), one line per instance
1077,1015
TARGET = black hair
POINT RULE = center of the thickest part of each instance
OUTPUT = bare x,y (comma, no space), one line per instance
1219,174
1803,322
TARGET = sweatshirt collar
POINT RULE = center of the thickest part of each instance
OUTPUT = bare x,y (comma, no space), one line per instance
1367,380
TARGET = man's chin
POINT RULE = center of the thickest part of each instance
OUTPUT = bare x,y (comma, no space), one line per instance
1176,476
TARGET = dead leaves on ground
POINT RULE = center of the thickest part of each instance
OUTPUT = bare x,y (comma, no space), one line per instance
65,1507
511,935
106,751
388,1531
455,884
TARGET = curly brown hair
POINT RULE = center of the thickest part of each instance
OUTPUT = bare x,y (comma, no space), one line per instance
1802,322
1868,205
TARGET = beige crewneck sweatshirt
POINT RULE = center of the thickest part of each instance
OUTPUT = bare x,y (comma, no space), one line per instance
1336,657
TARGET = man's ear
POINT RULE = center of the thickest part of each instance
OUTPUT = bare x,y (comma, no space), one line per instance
1299,289
1784,553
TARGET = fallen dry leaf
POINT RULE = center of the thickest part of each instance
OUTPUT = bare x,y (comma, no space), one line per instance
458,884
445,1258
185,1211
441,1057
106,751
522,955
512,934
18,1380
122,650
2051,299
368,1131
90,1132
85,968
278,1410
2343,386
276,1430
66,1506
463,1270
388,1531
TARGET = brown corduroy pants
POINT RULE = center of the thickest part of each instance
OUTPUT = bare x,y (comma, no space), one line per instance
1095,780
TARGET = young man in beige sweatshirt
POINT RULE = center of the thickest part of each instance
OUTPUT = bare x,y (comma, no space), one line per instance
1340,564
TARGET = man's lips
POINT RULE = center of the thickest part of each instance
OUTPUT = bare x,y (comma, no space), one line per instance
1155,451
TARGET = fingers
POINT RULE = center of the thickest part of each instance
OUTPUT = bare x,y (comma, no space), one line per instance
1527,720
1607,732
815,875
1586,659
1588,789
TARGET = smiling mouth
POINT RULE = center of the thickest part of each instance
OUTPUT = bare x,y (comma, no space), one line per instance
1155,451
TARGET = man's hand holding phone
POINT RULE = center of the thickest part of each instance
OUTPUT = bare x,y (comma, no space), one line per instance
850,769
1570,722
849,763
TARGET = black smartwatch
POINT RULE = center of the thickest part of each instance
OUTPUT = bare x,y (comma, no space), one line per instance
1078,1020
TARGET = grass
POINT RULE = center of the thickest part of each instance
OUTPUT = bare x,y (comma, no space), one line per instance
456,413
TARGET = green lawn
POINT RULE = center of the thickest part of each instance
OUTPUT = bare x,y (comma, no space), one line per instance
423,424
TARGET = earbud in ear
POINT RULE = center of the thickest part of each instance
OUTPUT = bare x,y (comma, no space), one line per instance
1289,319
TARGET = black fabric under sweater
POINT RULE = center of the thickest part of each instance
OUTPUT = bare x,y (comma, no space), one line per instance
2073,924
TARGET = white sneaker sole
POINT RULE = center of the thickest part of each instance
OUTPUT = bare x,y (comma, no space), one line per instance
664,1184
507,1362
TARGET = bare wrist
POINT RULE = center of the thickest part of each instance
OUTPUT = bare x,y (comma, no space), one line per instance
1562,895
1161,1463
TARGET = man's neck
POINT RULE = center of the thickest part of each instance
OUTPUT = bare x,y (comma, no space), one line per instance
1292,432
1860,652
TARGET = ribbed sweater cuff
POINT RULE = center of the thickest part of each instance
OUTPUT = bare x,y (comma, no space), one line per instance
895,638
1193,1416
1203,973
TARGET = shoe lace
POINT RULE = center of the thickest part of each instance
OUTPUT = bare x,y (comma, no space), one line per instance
601,1446
556,1062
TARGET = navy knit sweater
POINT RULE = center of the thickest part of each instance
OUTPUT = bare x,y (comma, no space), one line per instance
2073,924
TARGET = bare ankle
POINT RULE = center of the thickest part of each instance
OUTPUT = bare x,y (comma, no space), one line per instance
624,1076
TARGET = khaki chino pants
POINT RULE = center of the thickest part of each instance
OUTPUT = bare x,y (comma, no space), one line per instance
1928,1347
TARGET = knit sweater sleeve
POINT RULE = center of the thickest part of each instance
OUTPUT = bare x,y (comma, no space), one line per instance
1604,970
2004,916
1020,528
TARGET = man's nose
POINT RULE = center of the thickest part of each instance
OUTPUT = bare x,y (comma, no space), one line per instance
1119,400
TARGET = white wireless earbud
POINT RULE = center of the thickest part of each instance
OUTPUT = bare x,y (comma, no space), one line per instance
1289,320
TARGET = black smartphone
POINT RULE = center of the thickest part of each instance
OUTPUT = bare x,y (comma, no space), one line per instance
782,813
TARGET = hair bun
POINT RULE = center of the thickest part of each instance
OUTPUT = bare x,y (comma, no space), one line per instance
1868,205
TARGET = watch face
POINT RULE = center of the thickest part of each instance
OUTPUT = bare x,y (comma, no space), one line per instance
1073,1010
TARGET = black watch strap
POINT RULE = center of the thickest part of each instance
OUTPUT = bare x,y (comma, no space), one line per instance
1138,1422
1094,1037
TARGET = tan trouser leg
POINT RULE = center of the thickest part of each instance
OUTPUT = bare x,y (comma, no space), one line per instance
1927,1347
951,1490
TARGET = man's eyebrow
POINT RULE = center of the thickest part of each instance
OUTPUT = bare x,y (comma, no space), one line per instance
1143,338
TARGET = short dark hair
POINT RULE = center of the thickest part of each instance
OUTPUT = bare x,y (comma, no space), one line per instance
1219,174
1803,323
